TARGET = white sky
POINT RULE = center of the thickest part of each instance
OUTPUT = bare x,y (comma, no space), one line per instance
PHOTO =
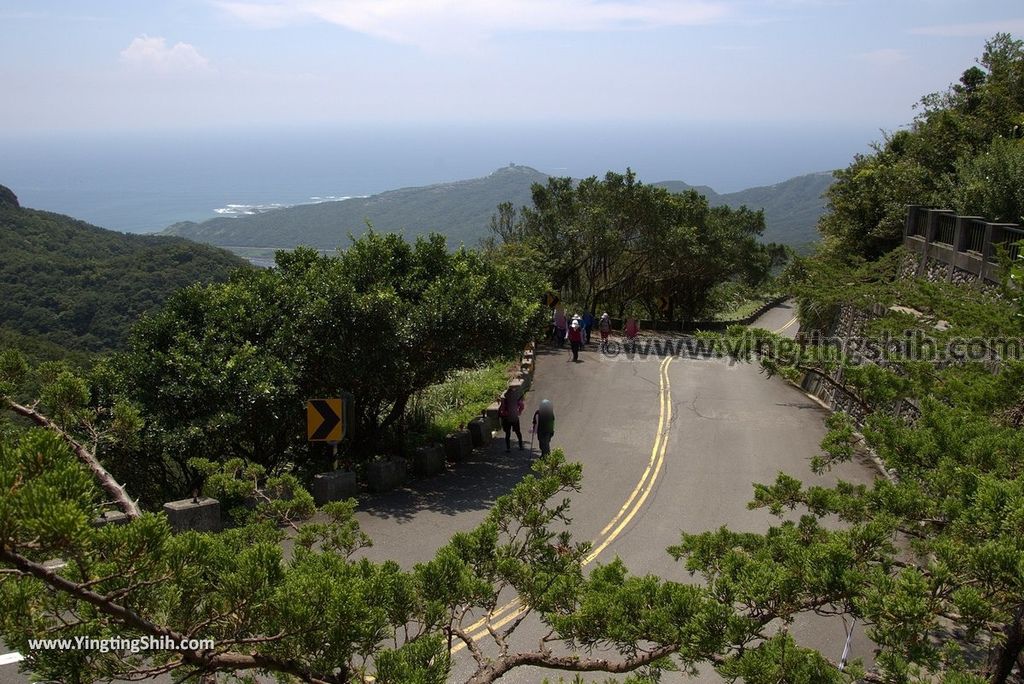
115,65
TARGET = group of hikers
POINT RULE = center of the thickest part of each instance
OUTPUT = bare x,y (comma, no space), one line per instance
577,330
509,410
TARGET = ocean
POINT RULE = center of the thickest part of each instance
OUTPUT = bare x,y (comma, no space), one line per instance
143,182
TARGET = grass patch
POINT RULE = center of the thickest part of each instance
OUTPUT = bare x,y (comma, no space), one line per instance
742,309
450,405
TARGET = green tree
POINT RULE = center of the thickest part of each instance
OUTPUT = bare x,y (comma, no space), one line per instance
224,371
958,152
991,184
614,242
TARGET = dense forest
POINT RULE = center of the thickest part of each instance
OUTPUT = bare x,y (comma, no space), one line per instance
70,285
619,245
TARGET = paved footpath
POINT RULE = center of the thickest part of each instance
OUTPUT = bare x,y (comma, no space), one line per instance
722,427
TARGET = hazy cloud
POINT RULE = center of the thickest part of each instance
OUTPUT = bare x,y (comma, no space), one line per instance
451,23
153,54
978,29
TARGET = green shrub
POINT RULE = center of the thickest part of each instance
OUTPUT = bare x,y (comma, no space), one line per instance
448,406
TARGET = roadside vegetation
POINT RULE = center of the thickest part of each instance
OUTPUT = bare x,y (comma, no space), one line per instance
618,245
448,406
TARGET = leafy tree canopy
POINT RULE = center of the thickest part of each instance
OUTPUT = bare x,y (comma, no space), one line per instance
616,242
223,371
964,151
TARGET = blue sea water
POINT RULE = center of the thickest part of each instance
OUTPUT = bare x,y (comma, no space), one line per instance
142,182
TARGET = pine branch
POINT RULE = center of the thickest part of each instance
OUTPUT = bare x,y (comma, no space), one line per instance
572,663
206,661
105,479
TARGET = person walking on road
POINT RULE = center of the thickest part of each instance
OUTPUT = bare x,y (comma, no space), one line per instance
604,326
508,410
575,339
560,326
632,331
544,426
588,324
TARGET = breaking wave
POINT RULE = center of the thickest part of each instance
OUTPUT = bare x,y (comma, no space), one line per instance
236,210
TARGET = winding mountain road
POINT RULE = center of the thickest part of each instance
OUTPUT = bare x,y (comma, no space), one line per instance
668,443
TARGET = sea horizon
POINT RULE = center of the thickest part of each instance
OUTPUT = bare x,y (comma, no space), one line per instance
142,183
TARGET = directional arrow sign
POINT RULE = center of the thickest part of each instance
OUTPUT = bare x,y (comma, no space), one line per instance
324,421
551,299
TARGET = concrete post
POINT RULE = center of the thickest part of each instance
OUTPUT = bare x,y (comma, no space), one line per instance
336,485
111,518
491,414
201,515
480,432
428,460
908,226
933,224
383,476
987,251
458,446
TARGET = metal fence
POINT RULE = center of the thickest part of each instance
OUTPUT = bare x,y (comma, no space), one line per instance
966,244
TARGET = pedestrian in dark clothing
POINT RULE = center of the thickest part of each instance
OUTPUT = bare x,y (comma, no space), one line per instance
544,426
575,339
511,406
588,325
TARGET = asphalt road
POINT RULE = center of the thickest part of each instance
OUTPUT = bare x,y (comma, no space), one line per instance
667,444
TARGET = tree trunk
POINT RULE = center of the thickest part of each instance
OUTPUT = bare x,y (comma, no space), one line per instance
1005,659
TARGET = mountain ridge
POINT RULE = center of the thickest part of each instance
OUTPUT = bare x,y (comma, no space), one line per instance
462,210
791,207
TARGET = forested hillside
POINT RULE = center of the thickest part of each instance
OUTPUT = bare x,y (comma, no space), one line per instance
71,284
963,151
791,208
462,211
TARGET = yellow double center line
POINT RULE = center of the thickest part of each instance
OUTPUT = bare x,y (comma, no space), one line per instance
787,326
513,609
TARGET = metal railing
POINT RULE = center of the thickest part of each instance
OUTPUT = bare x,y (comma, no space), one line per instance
945,229
965,242
1009,239
974,236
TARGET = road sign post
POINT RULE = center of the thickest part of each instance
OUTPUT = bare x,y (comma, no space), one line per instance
330,421
324,420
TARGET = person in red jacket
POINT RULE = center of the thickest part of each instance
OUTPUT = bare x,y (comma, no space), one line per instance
511,406
632,331
576,338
